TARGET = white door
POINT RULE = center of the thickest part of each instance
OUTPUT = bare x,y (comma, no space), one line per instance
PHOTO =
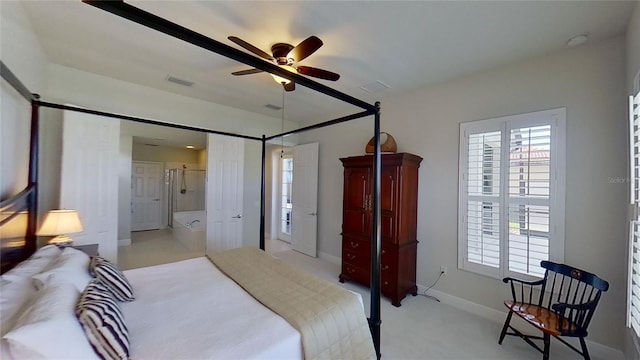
305,199
225,161
89,178
146,181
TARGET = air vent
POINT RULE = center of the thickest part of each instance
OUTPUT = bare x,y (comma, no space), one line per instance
179,81
273,107
375,87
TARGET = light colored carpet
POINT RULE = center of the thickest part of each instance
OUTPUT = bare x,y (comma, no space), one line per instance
420,329
423,328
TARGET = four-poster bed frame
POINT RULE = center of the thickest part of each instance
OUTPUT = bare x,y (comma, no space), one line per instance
26,200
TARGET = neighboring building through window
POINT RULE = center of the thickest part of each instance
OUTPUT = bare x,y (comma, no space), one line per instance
512,180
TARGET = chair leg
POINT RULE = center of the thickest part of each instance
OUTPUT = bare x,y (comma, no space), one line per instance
547,343
505,327
585,352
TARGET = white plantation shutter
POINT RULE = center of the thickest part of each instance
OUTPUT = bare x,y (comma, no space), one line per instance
633,317
529,185
483,206
511,205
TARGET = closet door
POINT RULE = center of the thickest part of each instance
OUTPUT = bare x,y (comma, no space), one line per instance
224,192
89,178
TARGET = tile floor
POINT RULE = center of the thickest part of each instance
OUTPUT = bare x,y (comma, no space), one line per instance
153,247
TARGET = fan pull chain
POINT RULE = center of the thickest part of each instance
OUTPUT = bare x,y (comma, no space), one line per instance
282,137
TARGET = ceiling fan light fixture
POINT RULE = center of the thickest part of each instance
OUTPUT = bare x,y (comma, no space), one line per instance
281,80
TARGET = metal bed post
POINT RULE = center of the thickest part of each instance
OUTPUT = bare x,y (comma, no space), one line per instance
33,176
374,320
262,191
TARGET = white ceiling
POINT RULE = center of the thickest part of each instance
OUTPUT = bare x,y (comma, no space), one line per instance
406,45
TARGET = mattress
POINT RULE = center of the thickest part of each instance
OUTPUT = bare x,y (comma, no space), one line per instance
190,310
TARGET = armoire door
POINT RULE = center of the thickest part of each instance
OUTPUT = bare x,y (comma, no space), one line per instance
388,203
356,208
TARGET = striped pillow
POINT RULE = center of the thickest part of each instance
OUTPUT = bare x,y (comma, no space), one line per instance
112,277
103,322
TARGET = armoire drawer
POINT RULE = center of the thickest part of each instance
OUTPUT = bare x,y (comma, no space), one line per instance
357,258
355,273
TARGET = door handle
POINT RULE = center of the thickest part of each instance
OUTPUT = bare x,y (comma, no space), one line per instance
237,217
313,214
156,199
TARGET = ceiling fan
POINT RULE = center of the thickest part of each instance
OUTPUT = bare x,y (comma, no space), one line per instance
287,56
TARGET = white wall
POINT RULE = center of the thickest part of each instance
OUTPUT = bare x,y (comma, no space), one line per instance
15,130
588,81
633,46
21,52
142,152
124,189
20,48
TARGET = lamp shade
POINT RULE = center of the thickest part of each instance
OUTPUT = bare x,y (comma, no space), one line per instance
60,222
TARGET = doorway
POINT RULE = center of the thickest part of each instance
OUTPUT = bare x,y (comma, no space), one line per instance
294,197
285,205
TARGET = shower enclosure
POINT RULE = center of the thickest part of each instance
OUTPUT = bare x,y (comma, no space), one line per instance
186,192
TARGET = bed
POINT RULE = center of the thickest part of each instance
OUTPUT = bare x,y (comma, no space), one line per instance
200,308
24,204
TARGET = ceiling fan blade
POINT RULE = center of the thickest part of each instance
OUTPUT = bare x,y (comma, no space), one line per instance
250,47
290,86
307,47
319,73
247,72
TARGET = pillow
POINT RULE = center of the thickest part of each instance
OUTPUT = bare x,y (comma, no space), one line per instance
48,327
14,296
112,277
17,288
71,266
103,322
34,264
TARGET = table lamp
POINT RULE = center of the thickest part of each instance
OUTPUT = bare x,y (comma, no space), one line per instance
60,223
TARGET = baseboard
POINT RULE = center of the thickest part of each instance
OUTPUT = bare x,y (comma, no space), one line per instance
597,350
330,258
124,242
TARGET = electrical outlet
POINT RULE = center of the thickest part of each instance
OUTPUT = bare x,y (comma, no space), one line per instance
443,270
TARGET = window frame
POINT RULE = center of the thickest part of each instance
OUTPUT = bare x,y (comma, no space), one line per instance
634,214
286,153
556,202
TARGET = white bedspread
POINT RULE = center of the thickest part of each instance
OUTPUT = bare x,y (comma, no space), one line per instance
190,310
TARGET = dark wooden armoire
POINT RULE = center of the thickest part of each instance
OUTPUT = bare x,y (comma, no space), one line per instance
399,207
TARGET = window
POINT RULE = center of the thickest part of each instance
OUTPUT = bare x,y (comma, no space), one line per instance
511,210
633,307
286,163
